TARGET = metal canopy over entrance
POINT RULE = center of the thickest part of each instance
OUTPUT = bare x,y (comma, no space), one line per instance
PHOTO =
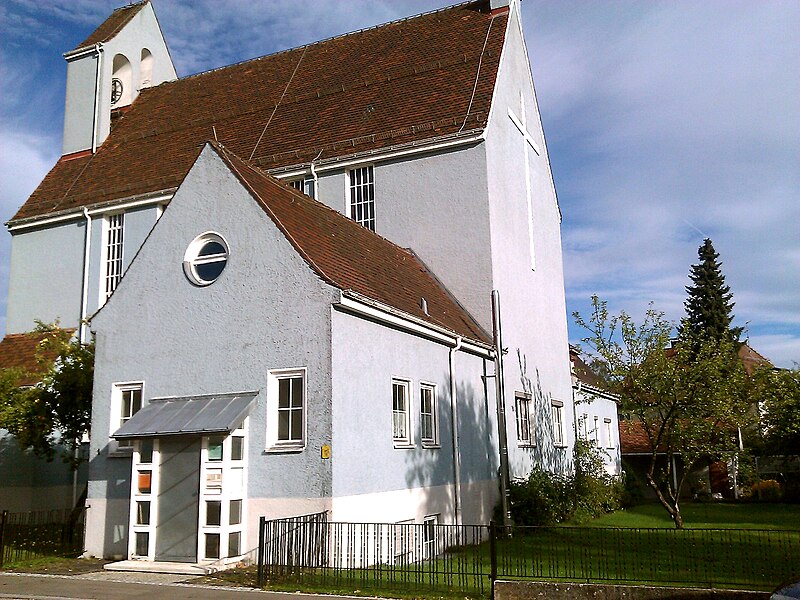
188,415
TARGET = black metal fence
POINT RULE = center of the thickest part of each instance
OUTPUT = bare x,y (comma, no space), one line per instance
466,559
43,533
409,556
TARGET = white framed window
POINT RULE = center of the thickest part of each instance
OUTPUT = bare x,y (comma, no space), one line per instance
205,258
404,542
361,196
126,401
429,531
307,185
522,407
597,431
585,426
428,423
609,434
113,237
557,410
401,414
286,405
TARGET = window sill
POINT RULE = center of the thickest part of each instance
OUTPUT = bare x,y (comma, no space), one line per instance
121,453
528,445
285,449
560,446
431,445
404,446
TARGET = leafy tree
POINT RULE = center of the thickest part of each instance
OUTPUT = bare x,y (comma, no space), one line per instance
688,399
709,305
53,415
779,404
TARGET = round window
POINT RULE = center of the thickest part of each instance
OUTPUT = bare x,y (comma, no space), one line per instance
205,258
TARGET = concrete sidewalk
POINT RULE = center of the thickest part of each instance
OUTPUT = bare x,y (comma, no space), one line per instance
125,586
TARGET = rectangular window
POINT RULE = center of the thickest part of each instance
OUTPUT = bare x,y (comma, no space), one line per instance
128,399
362,196
558,422
213,513
215,448
400,414
212,545
429,536
609,436
286,406
305,185
234,543
427,414
403,542
115,227
290,409
142,543
146,451
235,513
596,432
522,403
237,447
143,513
144,482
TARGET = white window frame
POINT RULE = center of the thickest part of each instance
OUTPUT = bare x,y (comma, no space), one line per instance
557,416
113,250
403,543
401,416
609,434
522,408
361,193
431,441
274,444
117,392
307,185
152,497
430,545
596,431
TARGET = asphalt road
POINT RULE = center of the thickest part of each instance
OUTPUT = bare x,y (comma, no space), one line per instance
56,587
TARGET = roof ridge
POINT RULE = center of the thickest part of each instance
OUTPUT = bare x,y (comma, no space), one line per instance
328,39
86,42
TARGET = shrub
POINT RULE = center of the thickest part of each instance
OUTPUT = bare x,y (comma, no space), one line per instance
767,490
549,498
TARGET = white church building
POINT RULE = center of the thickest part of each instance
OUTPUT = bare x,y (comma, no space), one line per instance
287,265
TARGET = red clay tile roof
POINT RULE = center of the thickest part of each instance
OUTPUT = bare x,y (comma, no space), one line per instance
18,351
633,439
405,82
583,373
112,25
350,257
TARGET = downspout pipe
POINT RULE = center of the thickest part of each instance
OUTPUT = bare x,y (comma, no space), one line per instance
454,428
98,48
502,438
87,245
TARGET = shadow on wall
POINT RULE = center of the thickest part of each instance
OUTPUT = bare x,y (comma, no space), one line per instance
426,467
544,454
110,480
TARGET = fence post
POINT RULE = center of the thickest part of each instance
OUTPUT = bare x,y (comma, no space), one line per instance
2,532
493,554
262,523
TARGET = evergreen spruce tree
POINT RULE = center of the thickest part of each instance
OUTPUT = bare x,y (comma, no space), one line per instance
709,305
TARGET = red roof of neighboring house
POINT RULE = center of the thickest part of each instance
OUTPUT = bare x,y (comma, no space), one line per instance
400,84
112,25
351,257
18,351
633,439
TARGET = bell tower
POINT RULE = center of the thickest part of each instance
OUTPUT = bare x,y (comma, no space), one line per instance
107,71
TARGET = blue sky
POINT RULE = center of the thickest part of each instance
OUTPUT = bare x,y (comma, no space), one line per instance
666,122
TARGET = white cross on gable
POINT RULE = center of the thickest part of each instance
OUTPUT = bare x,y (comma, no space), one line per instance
521,126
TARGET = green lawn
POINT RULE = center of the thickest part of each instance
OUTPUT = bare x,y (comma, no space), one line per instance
708,515
745,546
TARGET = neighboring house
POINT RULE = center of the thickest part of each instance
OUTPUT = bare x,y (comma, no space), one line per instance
276,351
596,418
29,482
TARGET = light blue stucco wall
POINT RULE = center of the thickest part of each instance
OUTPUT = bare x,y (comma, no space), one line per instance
267,310
366,358
46,276
434,204
532,299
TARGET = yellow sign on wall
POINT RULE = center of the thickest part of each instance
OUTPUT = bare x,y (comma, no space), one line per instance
325,451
